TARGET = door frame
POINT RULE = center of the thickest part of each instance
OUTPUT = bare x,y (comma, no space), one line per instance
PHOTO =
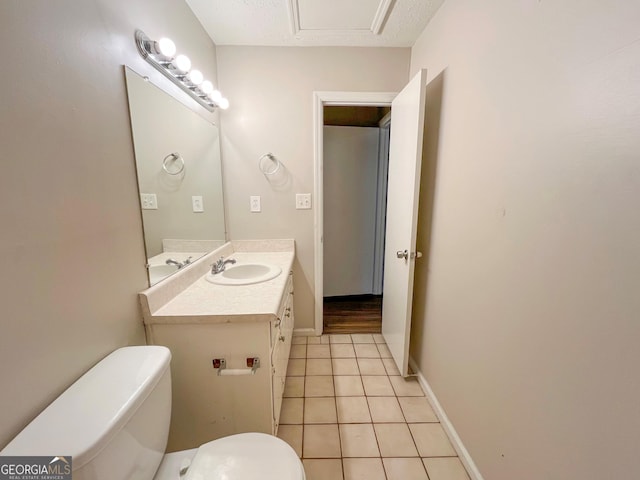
381,203
320,100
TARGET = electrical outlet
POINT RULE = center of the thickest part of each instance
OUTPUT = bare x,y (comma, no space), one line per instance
303,201
197,203
149,201
254,203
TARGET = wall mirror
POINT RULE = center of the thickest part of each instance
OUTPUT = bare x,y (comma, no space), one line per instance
179,178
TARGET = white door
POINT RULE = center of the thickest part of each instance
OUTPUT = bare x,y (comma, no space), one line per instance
405,159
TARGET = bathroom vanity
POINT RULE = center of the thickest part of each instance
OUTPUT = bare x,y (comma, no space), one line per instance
230,343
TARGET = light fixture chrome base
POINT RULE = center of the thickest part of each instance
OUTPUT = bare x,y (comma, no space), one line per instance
145,47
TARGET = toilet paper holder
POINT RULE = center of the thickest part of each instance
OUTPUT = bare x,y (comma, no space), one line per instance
220,364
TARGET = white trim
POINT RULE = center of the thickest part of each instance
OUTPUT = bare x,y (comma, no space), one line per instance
455,440
386,120
380,17
294,16
304,332
318,199
369,99
320,99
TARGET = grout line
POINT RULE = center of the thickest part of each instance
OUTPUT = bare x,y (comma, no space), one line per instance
372,423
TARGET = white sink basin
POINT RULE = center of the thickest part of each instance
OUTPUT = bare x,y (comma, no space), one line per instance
245,274
159,272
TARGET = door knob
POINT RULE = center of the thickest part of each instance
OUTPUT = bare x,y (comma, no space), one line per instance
416,254
402,254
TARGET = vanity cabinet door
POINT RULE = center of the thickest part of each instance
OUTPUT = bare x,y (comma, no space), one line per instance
277,381
207,406
281,351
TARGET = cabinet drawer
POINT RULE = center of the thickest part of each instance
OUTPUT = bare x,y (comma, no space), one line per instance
284,320
286,297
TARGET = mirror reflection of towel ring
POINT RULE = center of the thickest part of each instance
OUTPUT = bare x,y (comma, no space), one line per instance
269,164
173,164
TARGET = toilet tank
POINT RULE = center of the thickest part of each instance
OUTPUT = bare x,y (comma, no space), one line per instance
113,421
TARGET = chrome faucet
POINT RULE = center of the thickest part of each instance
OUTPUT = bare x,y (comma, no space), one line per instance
220,265
178,264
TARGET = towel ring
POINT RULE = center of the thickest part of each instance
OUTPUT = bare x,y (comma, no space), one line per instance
264,165
173,157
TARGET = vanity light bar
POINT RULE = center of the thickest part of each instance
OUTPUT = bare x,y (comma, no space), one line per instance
177,68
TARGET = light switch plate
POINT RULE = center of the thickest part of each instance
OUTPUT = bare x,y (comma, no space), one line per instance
254,203
149,201
197,203
303,201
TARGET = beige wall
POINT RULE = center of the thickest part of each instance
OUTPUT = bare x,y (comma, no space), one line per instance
271,93
528,330
350,175
71,238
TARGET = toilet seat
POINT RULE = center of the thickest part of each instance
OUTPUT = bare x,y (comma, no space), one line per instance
246,456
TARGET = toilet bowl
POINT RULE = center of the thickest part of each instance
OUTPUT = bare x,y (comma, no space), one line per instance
114,423
242,456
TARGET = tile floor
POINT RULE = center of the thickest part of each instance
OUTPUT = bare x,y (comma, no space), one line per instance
350,416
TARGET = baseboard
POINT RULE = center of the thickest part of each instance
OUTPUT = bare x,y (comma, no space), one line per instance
304,332
455,440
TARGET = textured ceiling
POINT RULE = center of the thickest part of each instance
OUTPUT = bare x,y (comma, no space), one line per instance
363,23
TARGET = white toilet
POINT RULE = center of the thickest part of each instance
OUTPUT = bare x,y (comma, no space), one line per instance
114,422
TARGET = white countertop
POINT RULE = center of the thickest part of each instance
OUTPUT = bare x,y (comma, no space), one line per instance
206,302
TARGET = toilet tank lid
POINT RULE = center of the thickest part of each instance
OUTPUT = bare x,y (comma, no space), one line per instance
81,421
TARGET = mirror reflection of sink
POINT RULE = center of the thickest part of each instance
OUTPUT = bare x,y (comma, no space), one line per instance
159,272
245,274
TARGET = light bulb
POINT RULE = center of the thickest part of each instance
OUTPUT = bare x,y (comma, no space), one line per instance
207,87
166,47
195,76
223,103
183,63
216,96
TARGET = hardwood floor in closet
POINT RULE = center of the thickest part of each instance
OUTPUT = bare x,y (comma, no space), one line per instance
353,314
